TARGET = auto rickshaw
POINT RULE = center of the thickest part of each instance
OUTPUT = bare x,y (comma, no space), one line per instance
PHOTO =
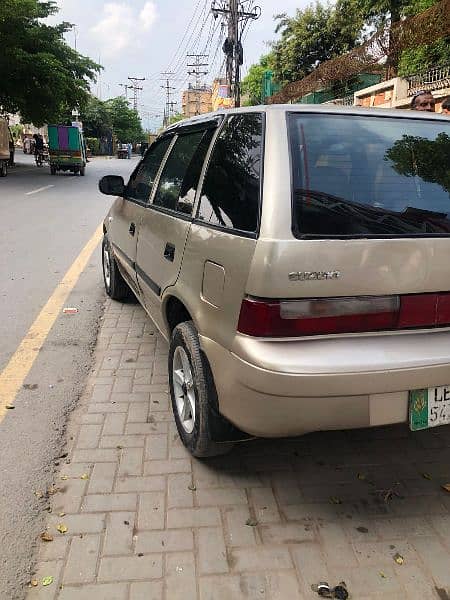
67,150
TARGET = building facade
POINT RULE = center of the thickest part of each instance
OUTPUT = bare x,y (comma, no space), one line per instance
196,101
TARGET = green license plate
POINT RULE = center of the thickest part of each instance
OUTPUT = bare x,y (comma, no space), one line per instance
429,407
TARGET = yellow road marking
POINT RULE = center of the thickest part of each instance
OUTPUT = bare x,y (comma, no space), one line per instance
13,375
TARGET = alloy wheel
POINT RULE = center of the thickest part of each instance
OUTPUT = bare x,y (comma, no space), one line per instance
107,267
183,389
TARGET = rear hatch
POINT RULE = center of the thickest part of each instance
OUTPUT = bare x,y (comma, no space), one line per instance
371,230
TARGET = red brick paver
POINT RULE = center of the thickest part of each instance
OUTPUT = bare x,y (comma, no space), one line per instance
146,521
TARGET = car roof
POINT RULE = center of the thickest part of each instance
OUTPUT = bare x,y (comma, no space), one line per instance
331,109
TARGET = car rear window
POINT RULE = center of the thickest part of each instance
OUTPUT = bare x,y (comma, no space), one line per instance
358,176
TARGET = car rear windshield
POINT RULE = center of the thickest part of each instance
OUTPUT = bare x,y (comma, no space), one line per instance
360,176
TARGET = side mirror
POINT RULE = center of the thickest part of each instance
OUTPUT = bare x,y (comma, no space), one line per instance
112,185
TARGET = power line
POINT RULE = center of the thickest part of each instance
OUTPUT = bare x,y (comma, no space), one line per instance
136,89
168,111
184,35
197,72
238,14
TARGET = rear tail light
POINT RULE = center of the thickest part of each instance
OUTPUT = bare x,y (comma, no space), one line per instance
320,316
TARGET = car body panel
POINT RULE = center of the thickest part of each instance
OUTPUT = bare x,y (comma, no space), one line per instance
231,253
278,387
122,215
155,272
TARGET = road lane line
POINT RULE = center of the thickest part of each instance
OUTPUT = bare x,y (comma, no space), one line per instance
46,187
13,375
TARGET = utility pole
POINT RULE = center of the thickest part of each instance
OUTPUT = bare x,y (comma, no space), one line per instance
197,65
135,87
125,87
168,111
237,18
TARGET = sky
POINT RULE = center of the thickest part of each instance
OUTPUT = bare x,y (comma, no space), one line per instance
143,38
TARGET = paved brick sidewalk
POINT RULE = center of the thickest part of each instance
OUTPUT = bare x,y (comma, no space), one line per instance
151,523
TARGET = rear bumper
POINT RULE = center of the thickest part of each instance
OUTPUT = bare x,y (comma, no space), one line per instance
276,389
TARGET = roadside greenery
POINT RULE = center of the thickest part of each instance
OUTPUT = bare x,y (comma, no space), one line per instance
321,32
175,118
41,76
252,83
113,117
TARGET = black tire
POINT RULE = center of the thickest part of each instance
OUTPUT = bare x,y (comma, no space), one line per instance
3,168
115,285
82,171
206,420
52,170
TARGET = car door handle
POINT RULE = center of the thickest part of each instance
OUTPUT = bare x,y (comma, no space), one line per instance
169,252
132,229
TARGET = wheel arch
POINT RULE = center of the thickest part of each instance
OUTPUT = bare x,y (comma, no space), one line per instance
175,312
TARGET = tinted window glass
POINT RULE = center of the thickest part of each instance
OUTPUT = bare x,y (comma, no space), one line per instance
179,178
230,194
370,175
141,182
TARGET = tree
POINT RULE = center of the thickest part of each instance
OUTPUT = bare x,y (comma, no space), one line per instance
426,56
41,76
314,35
252,83
386,13
175,118
124,120
97,120
429,159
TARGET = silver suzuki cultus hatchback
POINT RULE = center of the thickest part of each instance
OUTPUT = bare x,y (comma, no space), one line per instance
297,260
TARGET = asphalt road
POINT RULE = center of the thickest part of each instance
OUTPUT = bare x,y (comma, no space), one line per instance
45,222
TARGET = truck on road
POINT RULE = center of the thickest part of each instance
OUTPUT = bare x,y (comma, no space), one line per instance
67,149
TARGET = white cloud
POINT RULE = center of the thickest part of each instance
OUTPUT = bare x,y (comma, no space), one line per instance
121,26
148,15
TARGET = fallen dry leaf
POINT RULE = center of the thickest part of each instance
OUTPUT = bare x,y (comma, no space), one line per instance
84,476
64,477
47,580
446,487
399,559
10,406
62,514
192,487
426,476
335,500
46,536
39,494
382,575
251,522
34,582
62,528
361,476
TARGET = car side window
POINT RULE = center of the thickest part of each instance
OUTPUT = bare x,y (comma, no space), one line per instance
141,181
179,178
231,189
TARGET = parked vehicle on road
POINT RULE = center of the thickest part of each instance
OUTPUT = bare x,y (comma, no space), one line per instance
4,147
67,151
296,258
122,151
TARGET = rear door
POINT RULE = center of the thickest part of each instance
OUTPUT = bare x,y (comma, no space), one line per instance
126,213
223,237
165,224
